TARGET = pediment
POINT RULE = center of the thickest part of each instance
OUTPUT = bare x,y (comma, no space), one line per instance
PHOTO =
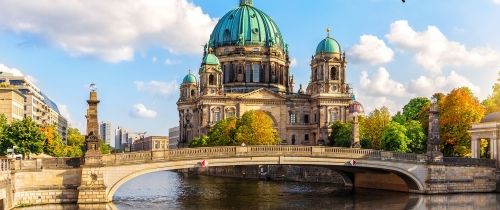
262,94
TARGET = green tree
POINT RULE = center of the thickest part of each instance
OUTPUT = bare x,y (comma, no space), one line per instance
256,128
75,143
105,149
3,124
373,126
416,137
394,138
459,110
24,134
199,142
399,118
412,110
492,103
223,133
341,135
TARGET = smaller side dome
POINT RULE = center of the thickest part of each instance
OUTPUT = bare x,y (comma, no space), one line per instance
328,45
493,117
210,59
189,79
356,108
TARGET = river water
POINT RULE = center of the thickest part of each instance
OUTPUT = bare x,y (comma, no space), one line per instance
170,190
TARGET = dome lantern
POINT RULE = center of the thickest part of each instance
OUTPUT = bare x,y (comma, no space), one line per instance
246,2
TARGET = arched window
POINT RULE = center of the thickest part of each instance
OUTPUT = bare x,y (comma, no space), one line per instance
293,118
256,72
315,73
293,139
193,93
334,74
211,79
334,116
320,73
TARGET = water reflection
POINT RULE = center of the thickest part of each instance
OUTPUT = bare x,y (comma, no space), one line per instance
169,190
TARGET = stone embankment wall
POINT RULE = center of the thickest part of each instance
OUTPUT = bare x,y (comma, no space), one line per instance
47,186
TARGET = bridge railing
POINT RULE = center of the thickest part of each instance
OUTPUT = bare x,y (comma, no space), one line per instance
228,152
5,164
256,151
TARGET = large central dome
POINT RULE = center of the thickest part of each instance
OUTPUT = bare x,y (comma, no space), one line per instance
246,26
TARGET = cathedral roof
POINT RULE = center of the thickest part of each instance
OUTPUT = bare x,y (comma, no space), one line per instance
328,45
189,79
210,59
246,26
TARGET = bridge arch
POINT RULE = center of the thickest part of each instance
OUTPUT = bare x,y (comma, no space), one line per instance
128,172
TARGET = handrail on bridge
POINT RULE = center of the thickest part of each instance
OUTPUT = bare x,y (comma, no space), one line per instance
236,151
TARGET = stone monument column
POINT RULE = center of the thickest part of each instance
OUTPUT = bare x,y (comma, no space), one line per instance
355,132
434,154
92,188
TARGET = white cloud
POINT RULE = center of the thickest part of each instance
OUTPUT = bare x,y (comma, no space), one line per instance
141,111
426,86
434,51
64,111
496,2
110,30
371,50
13,71
169,61
18,73
381,84
154,59
371,103
293,62
157,87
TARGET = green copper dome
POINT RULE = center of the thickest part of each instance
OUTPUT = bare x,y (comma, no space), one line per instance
210,59
328,45
189,79
246,26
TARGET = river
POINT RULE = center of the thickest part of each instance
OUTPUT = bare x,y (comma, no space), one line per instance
170,190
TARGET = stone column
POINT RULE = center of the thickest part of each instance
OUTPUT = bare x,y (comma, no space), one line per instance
433,138
475,146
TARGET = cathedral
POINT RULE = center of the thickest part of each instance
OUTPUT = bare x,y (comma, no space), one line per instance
246,66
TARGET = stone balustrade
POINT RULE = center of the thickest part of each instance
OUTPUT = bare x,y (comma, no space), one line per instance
228,152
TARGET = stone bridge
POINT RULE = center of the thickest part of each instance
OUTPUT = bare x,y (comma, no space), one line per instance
69,180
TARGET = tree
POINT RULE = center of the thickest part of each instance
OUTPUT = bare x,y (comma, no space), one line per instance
105,148
75,143
52,144
341,135
492,103
416,137
394,138
199,141
223,133
256,128
24,134
3,124
459,110
412,110
399,118
372,127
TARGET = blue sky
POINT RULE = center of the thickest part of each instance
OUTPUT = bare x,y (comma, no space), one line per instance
137,51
